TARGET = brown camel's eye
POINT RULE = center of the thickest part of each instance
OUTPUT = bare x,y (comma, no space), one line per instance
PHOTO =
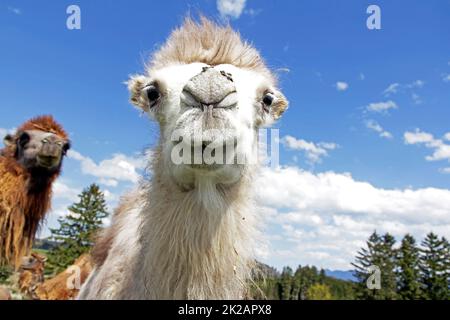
153,94
44,141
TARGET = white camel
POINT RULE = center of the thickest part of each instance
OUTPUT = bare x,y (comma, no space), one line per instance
188,231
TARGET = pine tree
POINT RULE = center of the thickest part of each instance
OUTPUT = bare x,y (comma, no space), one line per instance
286,284
322,276
75,233
408,272
446,250
296,284
304,278
364,259
434,267
380,253
388,261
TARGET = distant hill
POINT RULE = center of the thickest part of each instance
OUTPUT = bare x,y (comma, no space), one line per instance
44,244
340,274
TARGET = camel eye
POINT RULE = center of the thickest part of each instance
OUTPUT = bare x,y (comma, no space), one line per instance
44,141
153,94
268,99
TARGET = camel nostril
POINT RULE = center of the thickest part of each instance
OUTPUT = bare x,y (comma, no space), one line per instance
229,76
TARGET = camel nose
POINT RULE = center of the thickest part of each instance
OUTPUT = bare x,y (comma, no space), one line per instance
50,150
210,87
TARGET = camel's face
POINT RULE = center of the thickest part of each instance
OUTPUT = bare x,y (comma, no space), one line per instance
39,149
209,116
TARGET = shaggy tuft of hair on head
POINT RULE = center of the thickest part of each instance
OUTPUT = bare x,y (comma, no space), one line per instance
44,123
210,43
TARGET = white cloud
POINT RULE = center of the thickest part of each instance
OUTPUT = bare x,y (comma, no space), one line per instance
15,10
119,168
382,107
447,136
325,218
445,170
418,137
253,12
119,172
393,88
416,84
314,152
416,98
396,87
373,125
341,86
441,150
231,8
446,78
4,132
362,76
62,190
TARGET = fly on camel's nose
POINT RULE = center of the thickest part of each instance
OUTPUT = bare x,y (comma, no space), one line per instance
210,88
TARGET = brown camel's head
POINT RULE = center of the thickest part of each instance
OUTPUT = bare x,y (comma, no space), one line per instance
39,144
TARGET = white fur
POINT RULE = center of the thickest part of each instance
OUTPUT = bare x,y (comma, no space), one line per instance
190,233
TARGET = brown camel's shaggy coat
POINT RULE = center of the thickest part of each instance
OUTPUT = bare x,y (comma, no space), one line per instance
24,196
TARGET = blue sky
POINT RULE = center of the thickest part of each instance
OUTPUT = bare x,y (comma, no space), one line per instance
352,167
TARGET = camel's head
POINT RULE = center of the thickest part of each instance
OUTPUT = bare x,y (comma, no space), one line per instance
210,92
39,144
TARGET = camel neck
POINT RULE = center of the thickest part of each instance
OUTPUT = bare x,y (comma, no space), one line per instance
40,180
196,244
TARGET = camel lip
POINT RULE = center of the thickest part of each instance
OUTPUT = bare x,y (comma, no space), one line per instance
46,163
219,112
205,167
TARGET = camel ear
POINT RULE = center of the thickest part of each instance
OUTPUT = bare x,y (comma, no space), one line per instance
273,112
8,140
136,85
66,147
280,106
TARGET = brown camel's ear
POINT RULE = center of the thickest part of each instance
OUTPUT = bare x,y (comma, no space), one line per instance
8,140
136,85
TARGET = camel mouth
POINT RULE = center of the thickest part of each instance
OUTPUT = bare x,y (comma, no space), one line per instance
205,154
205,167
216,118
47,162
